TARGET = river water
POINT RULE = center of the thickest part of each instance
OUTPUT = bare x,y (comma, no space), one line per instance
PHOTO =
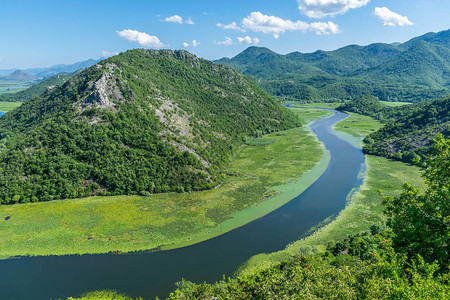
151,274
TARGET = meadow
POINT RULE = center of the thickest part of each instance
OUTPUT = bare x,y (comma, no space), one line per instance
7,106
14,86
258,180
395,104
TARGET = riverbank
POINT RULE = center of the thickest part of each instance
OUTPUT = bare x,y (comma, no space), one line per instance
258,181
364,208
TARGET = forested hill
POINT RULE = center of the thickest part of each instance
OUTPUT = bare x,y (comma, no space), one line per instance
410,129
413,71
140,122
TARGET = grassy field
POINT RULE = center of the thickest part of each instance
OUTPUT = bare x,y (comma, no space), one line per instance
258,181
395,104
309,115
363,210
13,86
321,105
7,106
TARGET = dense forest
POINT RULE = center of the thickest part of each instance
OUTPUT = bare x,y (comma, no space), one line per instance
413,71
36,89
144,122
409,129
409,260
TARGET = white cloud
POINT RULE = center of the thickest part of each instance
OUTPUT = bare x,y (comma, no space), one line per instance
323,8
193,44
391,18
189,21
141,38
232,25
109,53
178,19
228,41
248,40
258,22
174,19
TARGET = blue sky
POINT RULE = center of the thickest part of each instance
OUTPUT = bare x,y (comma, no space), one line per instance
44,33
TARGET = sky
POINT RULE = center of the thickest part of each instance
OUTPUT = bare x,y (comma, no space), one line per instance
45,32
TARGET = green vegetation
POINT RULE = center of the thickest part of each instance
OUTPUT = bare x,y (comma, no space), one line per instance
395,104
258,141
13,86
7,106
103,295
410,129
364,264
255,176
37,89
410,135
309,115
412,72
421,220
364,210
384,276
358,126
143,122
369,106
319,104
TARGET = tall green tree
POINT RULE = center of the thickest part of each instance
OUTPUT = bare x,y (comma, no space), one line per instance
421,220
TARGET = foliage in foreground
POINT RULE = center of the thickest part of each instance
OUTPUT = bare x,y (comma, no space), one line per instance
103,295
384,276
364,266
421,220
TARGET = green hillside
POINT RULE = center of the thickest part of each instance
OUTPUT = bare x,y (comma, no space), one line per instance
409,130
414,71
141,122
37,89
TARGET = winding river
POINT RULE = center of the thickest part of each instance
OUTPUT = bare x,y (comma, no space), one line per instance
154,274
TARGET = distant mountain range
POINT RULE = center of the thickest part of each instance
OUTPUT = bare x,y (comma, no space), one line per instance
40,73
19,75
416,70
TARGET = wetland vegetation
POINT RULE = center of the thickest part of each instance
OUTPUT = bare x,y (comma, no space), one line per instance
254,177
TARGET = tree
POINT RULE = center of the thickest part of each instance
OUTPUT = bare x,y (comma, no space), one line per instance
421,220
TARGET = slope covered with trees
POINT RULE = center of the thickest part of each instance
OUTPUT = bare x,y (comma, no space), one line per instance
410,134
410,129
37,89
413,71
141,122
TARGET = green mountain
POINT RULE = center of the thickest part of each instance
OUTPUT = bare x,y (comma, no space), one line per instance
37,89
409,131
413,71
141,122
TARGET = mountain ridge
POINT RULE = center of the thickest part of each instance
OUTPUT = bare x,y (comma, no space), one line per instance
390,72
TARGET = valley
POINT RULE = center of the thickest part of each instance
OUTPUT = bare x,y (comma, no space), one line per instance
258,181
311,161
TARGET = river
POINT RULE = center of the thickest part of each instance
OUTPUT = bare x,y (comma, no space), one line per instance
150,274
